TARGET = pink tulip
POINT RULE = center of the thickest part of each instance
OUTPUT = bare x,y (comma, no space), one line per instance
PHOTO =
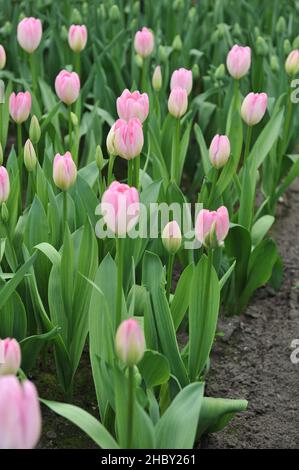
20,415
20,106
110,141
212,227
219,151
4,185
67,86
182,78
64,171
10,361
128,138
178,102
238,61
254,107
172,237
29,34
129,342
120,208
132,105
2,57
144,42
292,63
157,79
77,37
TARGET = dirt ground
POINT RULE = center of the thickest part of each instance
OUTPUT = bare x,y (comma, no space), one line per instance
252,360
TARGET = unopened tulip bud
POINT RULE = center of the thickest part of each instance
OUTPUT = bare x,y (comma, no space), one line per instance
191,13
134,24
195,71
85,9
211,227
256,31
10,356
219,151
34,130
99,157
177,44
172,237
20,106
128,138
76,16
281,25
178,5
238,61
30,159
162,54
157,79
292,63
6,29
64,33
110,144
29,34
2,57
215,37
237,30
287,46
136,8
132,105
220,72
4,185
67,86
1,154
77,37
102,12
222,30
274,63
139,61
144,42
129,342
295,44
262,47
182,78
254,107
4,212
64,171
178,102
114,14
75,120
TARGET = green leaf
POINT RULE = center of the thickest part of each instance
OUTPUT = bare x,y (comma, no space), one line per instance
180,301
154,368
238,247
203,149
261,228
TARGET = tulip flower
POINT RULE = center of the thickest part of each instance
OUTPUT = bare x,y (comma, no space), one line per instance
129,342
77,37
219,151
34,130
157,79
20,106
128,138
64,171
292,63
132,105
10,356
29,34
172,237
20,415
67,86
254,107
238,61
182,78
2,57
211,227
110,141
144,42
30,159
4,185
178,102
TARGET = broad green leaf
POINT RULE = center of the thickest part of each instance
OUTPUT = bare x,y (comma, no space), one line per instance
261,228
180,301
154,368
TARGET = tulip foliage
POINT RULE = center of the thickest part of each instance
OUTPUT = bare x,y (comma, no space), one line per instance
201,113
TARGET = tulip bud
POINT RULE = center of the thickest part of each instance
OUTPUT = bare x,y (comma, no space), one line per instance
114,14
292,63
177,44
182,78
237,30
262,48
10,356
136,9
139,61
67,86
77,37
211,227
99,157
157,79
195,71
220,72
191,13
256,31
85,9
129,342
4,212
110,142
20,106
178,102
1,155
2,57
29,156
287,46
274,63
128,138
74,119
64,171
134,24
295,44
64,33
29,34
162,54
281,25
254,107
4,185
238,61
34,130
172,237
144,42
222,30
219,151
76,16
132,105
178,5
102,12
6,29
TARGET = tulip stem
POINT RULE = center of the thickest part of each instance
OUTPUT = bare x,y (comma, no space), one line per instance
120,261
285,136
33,74
131,390
247,143
213,188
144,76
110,169
70,129
136,171
1,124
169,274
175,154
130,172
20,161
64,210
77,63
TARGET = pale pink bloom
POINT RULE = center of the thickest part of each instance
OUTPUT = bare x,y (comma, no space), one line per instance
219,151
182,78
157,78
292,63
172,237
10,356
144,42
212,227
20,106
254,107
77,37
4,185
178,102
110,141
20,415
238,61
64,171
67,86
29,34
132,105
120,208
129,342
2,57
128,138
